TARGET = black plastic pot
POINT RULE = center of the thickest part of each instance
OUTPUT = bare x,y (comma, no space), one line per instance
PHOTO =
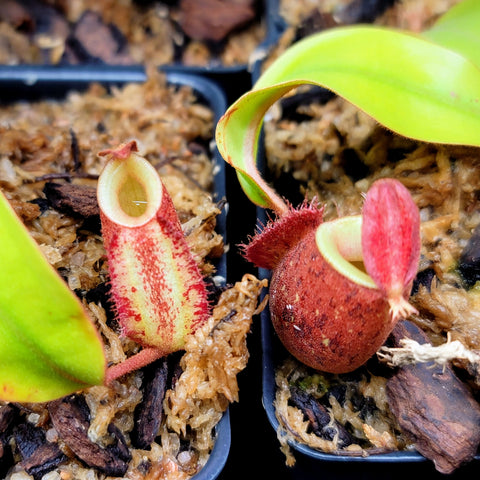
311,463
29,83
36,82
234,79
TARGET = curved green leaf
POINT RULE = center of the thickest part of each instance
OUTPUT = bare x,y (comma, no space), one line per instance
237,135
459,30
407,83
49,346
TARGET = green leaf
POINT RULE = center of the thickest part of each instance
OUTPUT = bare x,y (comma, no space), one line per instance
237,135
407,83
459,30
49,346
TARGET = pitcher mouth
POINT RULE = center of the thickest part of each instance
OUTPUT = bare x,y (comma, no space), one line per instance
130,193
339,242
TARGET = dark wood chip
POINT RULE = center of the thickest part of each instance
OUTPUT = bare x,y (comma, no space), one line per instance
74,200
6,458
214,19
70,417
46,458
38,456
75,149
148,414
319,418
434,408
472,368
314,23
364,11
120,447
175,368
42,19
17,15
424,278
93,41
8,415
469,265
28,439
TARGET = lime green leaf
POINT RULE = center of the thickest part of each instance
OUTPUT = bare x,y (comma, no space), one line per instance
237,135
407,83
49,346
459,30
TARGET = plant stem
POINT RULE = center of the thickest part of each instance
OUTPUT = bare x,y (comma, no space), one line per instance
139,360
